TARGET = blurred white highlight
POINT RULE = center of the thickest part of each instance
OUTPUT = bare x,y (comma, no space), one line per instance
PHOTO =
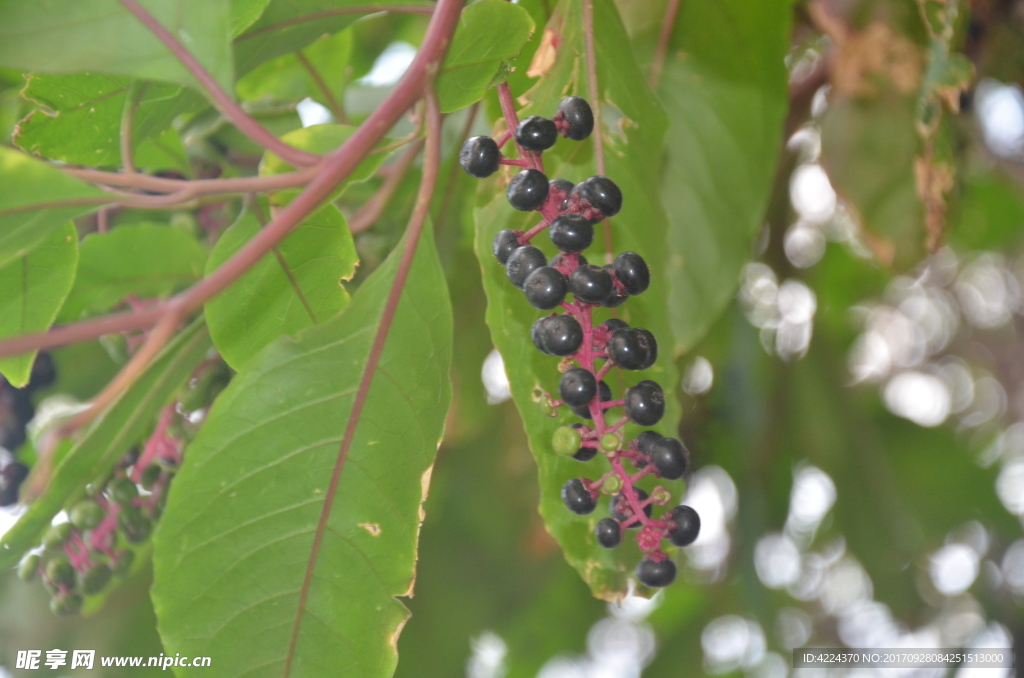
699,376
494,378
390,66
953,568
313,113
488,658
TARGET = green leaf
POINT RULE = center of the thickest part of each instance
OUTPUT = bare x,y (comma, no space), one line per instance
27,182
232,549
83,121
296,286
634,136
725,88
107,439
35,285
489,32
287,79
64,36
244,13
147,260
289,25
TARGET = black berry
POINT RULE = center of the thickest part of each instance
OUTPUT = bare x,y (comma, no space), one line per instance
480,157
604,394
522,262
643,446
44,372
632,272
579,116
563,185
602,194
656,574
670,458
650,344
608,532
578,498
621,511
562,335
527,190
577,387
545,287
571,232
537,334
584,453
627,349
686,526
613,324
614,300
590,284
536,133
505,243
645,403
11,477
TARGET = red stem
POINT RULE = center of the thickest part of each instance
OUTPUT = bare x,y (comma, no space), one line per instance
225,104
431,163
313,16
658,64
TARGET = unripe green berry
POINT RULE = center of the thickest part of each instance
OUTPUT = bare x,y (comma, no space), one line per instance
122,490
57,535
134,525
151,475
65,604
566,441
611,442
94,580
28,568
546,407
611,485
59,571
86,514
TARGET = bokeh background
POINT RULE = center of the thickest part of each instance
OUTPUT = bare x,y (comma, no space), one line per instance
855,415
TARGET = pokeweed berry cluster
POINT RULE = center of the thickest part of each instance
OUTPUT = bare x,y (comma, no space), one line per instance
81,556
570,212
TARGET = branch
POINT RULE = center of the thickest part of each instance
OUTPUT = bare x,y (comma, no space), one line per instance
431,163
313,16
334,169
231,110
131,102
196,187
667,24
332,102
371,210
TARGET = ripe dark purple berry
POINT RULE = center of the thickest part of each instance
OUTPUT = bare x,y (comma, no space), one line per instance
578,498
522,262
602,194
608,533
545,288
577,387
44,372
656,574
537,334
613,324
563,185
561,335
590,284
621,511
686,526
627,349
643,446
579,116
536,133
571,232
632,272
670,458
604,393
527,190
650,344
505,243
584,453
614,300
480,157
11,477
645,403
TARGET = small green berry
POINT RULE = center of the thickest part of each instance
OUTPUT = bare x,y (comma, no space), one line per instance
546,407
59,571
28,568
611,442
661,496
151,475
57,535
65,604
134,525
122,490
123,566
94,580
566,441
86,514
611,485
